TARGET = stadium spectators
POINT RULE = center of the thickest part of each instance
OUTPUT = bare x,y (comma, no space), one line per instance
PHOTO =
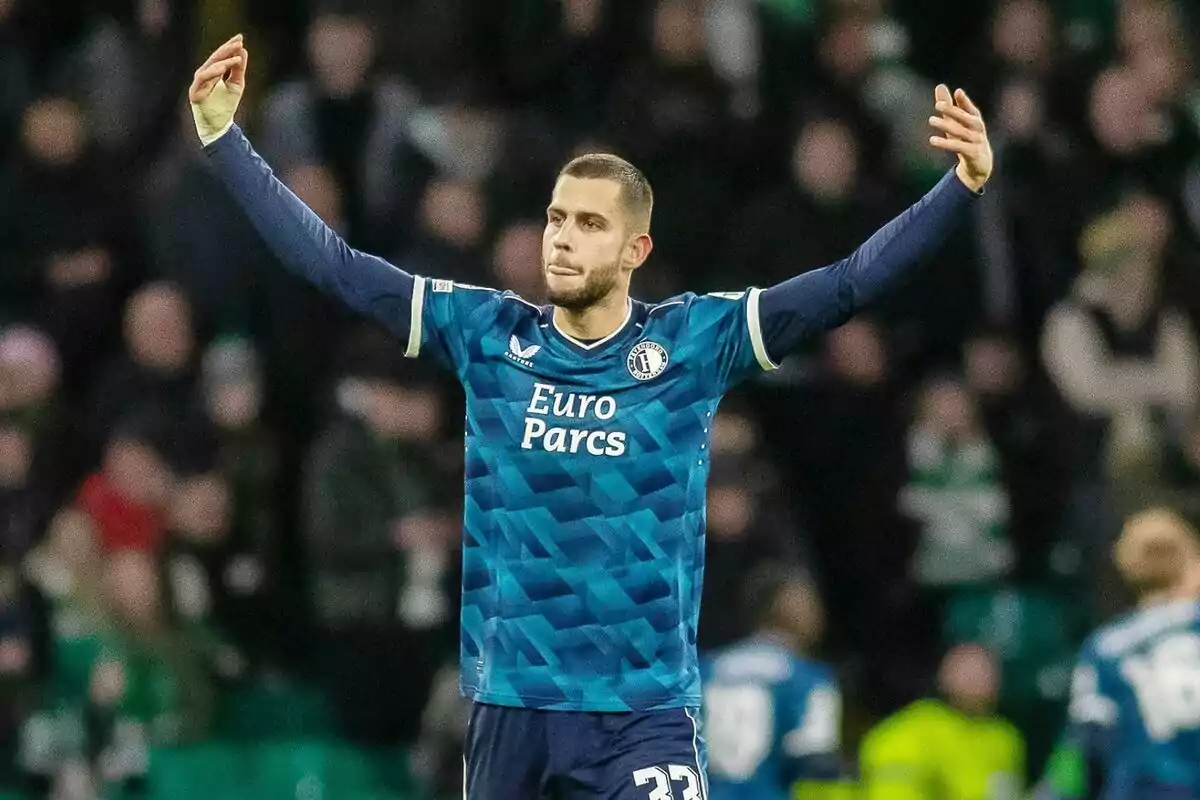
290,490
375,532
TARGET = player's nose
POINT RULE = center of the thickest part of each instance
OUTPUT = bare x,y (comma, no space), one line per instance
562,239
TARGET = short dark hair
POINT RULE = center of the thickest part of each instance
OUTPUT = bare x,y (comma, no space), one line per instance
636,194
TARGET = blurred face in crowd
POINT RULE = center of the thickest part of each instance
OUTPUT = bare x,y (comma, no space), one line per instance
52,131
1151,39
1133,279
516,257
454,211
234,405
74,539
856,353
133,585
733,434
138,472
799,610
29,368
993,366
1151,220
398,412
158,328
108,682
1023,33
1020,109
340,51
16,456
316,185
200,509
1146,25
947,409
590,245
1121,112
969,679
731,510
15,656
845,49
582,17
825,160
679,32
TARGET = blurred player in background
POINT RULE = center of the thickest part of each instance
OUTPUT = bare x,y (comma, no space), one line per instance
587,429
1134,723
773,716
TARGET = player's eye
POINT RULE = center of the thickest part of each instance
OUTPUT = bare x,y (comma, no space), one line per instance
591,225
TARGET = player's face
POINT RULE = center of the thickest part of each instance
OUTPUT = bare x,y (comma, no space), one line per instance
584,243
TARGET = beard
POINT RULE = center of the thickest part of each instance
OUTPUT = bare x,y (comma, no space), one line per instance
598,284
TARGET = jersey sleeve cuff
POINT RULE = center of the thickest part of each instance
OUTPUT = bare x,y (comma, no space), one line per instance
754,324
414,326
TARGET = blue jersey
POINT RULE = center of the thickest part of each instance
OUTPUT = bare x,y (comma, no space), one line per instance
1135,702
585,463
585,488
771,718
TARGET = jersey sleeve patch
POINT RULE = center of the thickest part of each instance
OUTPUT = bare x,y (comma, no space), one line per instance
418,308
754,326
448,320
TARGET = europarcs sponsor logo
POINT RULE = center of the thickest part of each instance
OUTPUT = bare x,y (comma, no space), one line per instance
548,407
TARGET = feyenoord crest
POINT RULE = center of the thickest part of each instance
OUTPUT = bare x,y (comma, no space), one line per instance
646,360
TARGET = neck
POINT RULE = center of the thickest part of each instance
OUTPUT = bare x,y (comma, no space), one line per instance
596,321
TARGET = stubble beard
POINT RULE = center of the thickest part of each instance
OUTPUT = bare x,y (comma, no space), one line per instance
598,284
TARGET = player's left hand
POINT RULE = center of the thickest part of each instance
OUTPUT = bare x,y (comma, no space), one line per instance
962,133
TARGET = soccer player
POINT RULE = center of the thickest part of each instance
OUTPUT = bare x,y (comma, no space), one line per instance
773,717
587,424
1134,719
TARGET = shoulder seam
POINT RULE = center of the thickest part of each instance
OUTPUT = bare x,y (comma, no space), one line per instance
667,304
519,299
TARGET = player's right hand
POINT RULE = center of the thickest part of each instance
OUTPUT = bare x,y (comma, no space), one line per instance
217,89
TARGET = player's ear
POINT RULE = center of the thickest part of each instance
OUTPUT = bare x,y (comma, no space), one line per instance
637,250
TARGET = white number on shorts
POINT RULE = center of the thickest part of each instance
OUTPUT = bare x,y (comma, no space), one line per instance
662,780
691,783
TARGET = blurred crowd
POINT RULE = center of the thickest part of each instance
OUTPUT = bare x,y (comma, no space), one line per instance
230,511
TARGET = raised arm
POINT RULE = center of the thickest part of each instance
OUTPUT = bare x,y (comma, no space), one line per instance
827,297
294,233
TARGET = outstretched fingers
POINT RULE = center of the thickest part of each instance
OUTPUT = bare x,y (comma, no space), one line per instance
956,129
954,145
203,80
967,103
224,51
207,76
973,121
237,73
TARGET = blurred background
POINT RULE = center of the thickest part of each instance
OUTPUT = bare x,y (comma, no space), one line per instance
229,512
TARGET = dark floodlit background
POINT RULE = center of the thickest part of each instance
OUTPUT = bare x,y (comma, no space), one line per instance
229,511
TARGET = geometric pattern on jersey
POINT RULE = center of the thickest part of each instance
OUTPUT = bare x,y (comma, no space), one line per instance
584,517
1136,694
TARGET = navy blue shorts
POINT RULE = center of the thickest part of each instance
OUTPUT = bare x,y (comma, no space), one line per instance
525,754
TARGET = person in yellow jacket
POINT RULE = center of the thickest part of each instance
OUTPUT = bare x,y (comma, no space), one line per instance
952,748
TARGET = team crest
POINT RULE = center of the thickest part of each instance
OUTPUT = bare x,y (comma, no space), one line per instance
647,360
